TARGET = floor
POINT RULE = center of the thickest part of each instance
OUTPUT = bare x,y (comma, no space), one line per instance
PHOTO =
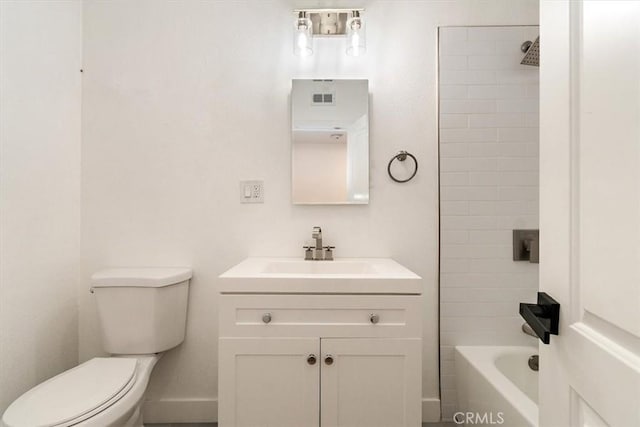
442,424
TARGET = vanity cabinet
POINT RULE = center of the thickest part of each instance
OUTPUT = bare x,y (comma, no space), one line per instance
319,360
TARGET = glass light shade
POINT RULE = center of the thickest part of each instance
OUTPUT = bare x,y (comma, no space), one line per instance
303,37
356,41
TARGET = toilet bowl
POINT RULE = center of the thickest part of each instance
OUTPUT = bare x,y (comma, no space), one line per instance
142,314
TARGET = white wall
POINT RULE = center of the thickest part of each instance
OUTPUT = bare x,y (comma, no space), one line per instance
40,47
181,100
489,186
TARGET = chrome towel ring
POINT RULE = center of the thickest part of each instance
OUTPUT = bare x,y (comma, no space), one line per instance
402,156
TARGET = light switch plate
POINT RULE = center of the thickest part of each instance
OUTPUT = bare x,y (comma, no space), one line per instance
251,191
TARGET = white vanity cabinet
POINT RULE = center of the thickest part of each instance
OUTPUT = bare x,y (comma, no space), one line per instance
324,360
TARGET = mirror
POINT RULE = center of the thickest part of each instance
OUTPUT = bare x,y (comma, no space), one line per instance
330,142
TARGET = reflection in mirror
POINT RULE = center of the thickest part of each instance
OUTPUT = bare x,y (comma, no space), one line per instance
330,146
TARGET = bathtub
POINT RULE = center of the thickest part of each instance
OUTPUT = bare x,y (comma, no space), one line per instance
496,386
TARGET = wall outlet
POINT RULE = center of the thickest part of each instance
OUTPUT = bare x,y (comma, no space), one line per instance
251,191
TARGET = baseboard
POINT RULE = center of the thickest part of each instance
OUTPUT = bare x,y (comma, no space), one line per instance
206,411
430,410
180,411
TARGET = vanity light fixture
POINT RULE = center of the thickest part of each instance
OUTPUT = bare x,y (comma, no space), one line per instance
330,23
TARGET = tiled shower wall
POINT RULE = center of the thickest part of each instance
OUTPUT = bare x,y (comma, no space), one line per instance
488,187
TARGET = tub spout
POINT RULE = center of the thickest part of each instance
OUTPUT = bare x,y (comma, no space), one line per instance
528,330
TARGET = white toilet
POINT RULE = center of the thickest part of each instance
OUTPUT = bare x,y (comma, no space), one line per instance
143,312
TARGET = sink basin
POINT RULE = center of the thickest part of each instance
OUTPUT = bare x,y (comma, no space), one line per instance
343,267
343,275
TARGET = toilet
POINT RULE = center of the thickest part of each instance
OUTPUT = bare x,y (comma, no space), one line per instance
142,312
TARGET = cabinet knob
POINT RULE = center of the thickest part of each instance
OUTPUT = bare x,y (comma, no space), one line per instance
311,359
266,318
374,318
328,359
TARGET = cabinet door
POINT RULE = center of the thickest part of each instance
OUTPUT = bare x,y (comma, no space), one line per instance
371,382
269,382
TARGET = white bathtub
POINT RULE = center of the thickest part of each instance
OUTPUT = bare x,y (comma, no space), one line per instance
496,386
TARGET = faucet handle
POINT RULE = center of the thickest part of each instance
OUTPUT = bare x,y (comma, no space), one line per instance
328,253
308,253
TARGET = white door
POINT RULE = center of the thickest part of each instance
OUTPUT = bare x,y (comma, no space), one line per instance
590,211
269,382
370,382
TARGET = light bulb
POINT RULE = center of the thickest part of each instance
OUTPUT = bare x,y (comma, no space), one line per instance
356,42
302,43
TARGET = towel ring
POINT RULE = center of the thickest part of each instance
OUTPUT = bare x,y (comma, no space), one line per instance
402,156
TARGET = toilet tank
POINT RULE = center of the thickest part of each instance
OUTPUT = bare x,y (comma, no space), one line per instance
141,310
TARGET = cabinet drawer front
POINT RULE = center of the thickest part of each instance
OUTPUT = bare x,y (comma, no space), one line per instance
320,315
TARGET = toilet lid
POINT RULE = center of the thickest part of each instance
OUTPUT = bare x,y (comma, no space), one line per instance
74,395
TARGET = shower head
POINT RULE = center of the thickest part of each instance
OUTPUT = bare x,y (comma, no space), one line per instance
532,53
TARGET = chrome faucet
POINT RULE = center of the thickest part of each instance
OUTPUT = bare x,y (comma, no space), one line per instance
318,252
317,235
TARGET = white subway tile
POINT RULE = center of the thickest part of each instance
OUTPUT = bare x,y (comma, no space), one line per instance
509,335
525,134
532,91
518,193
484,178
532,120
485,149
448,121
494,62
467,47
448,381
518,222
478,323
518,164
479,309
481,164
454,207
496,92
454,179
468,164
503,237
523,75
447,367
452,106
495,33
530,105
454,265
533,149
497,120
452,62
490,294
451,237
447,355
482,208
469,193
454,150
469,222
454,92
494,265
474,251
447,34
512,207
514,150
517,178
468,135
509,47
477,77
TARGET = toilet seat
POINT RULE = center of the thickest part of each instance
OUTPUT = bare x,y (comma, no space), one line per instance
74,395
